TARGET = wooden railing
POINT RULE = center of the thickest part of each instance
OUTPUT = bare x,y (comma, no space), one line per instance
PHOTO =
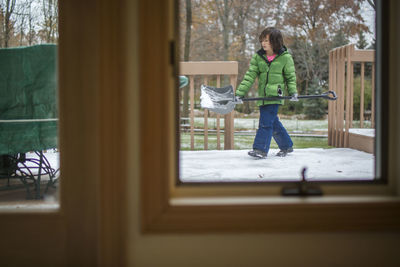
211,70
341,80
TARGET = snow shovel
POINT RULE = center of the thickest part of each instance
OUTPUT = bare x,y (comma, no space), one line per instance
222,100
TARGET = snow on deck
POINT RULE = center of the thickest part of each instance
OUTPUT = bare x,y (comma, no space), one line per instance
237,166
363,131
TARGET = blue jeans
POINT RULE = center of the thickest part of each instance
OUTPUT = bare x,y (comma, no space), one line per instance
269,126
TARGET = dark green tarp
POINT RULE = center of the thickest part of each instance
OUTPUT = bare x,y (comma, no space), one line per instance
28,99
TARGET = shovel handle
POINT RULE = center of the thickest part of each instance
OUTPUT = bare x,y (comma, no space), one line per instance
330,95
327,95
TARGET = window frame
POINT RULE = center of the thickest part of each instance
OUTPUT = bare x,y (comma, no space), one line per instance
90,226
380,143
171,207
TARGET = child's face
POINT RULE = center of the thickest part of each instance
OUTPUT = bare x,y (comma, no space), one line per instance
265,44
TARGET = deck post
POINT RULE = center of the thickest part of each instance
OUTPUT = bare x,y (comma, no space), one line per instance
208,69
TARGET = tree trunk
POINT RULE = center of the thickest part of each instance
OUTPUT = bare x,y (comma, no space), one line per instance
226,30
10,4
21,31
223,14
188,29
30,25
242,16
50,20
185,111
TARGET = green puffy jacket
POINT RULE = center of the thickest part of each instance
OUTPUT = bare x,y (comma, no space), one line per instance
280,72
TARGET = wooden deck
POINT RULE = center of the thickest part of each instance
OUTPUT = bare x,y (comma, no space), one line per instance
362,139
340,112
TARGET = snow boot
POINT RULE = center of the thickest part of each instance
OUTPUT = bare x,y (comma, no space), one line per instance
256,153
284,152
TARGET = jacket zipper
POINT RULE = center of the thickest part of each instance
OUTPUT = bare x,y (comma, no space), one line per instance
269,64
265,87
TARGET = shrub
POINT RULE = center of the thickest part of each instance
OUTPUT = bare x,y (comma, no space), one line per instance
357,97
315,109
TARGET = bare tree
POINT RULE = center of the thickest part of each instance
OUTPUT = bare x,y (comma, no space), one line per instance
188,29
241,16
22,14
224,9
28,22
31,30
50,24
8,7
1,24
185,111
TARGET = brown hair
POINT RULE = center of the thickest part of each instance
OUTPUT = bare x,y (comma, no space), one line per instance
275,38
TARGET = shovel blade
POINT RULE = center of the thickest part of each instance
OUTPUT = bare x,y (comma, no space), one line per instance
218,100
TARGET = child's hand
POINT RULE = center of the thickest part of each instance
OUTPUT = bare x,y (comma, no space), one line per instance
239,99
294,98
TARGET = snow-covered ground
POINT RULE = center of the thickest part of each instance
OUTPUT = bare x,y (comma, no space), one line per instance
236,165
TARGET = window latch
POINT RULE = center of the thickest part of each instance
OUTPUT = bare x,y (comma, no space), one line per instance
302,188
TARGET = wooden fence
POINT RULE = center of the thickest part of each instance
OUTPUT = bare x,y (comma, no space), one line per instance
209,70
341,80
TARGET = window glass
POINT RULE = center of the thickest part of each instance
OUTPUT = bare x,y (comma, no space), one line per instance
277,49
29,156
